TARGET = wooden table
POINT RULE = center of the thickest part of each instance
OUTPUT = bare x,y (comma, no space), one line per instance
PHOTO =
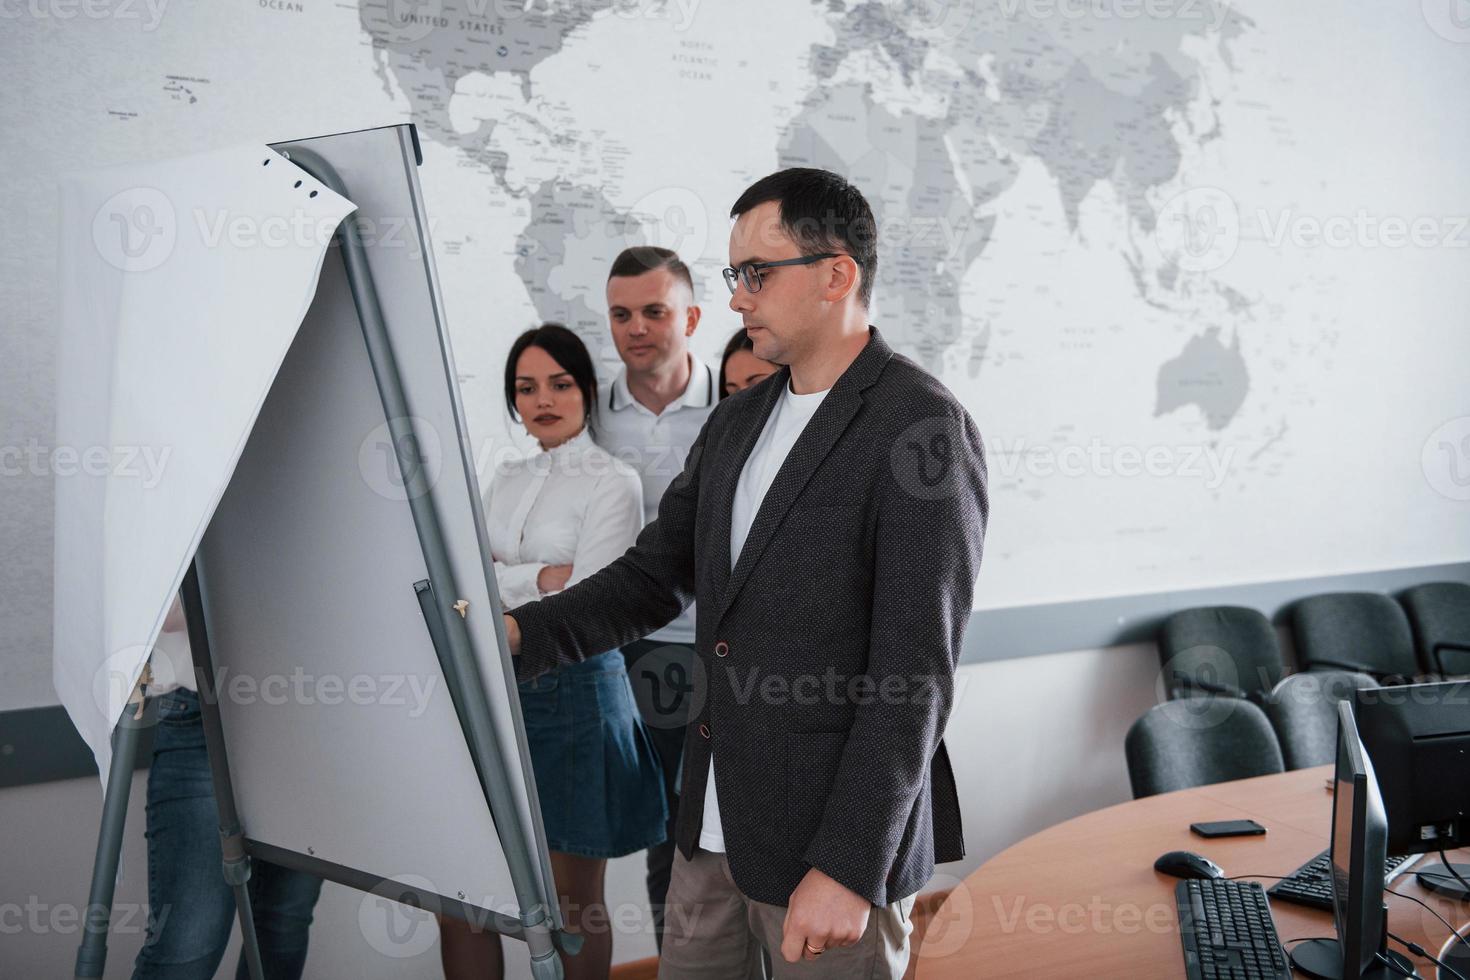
1082,899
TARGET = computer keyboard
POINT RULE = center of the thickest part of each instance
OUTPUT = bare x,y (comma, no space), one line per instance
1311,884
1227,931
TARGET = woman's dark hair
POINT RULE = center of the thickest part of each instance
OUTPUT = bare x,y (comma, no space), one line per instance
740,341
566,349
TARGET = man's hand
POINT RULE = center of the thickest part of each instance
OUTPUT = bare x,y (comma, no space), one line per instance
822,914
513,634
553,578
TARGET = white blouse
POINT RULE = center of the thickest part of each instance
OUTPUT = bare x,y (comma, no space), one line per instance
574,504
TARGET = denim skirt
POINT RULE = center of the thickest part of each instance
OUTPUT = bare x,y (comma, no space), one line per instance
597,771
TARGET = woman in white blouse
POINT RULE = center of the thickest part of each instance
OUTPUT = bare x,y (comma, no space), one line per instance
554,519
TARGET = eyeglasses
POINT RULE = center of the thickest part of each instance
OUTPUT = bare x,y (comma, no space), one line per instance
750,272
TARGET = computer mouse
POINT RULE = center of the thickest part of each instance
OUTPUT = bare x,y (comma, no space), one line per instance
1187,864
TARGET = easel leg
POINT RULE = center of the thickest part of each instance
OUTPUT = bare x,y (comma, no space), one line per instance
232,837
92,953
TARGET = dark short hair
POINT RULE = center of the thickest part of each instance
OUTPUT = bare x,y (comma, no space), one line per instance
821,212
639,259
739,341
566,349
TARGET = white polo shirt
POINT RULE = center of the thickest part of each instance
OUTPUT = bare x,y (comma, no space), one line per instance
656,446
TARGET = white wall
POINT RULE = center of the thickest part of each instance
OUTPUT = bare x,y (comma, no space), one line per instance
1033,742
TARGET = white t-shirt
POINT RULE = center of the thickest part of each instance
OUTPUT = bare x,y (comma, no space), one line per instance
786,422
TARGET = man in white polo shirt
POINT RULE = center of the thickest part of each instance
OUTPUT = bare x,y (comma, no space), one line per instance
651,415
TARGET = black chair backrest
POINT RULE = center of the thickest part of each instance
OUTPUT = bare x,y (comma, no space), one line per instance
1364,632
1220,650
1194,741
1440,615
1303,710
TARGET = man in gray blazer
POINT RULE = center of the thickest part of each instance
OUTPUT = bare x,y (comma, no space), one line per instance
830,522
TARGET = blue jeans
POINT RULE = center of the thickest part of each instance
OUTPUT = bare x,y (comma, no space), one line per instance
191,908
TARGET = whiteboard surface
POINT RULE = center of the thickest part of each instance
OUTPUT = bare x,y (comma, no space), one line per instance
343,741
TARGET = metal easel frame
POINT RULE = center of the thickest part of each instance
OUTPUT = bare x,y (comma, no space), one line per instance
446,627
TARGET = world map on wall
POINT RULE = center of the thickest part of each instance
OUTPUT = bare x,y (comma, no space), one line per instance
1089,216
932,109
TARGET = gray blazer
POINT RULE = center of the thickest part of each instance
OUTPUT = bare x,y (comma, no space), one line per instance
826,658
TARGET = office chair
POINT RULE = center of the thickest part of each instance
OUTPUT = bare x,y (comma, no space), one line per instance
1364,632
1228,650
1303,710
1440,615
1193,741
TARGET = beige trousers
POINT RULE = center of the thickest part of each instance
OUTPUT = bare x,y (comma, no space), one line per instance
713,932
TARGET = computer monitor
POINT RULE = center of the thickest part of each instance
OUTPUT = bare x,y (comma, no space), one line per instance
1418,737
1357,853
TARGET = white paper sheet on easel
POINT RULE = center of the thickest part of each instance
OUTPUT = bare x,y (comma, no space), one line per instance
183,284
